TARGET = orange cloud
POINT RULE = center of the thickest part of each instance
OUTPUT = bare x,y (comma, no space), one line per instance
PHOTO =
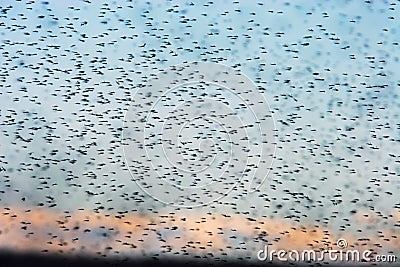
134,234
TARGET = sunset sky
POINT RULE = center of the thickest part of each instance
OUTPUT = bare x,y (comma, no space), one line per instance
72,71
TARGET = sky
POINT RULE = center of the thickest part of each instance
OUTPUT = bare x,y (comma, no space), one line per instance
328,73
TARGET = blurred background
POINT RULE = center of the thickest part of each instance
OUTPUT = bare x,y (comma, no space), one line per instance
69,70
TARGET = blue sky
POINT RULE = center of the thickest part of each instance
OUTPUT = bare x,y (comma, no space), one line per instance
330,70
